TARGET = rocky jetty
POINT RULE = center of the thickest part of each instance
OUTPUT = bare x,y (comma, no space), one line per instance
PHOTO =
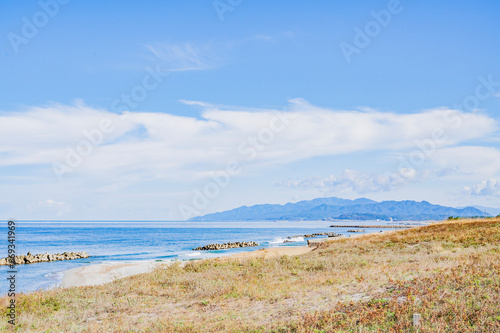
31,259
292,239
329,234
359,230
225,246
316,242
406,226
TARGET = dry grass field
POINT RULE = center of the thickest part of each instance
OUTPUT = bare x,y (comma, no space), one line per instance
449,272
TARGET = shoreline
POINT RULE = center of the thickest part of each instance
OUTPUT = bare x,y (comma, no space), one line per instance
348,284
103,273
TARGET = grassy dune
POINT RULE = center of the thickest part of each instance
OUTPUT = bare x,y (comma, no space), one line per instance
448,272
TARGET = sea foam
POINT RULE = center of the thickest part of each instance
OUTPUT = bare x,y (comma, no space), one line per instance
280,240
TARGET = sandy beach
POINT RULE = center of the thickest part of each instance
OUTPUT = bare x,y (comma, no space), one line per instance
104,273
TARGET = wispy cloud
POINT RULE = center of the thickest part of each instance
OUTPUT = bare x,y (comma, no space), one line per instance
187,56
361,183
490,187
476,162
354,181
197,103
58,208
198,56
280,37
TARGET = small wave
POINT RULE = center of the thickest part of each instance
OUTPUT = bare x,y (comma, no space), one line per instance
55,276
54,280
194,254
281,240
169,256
126,254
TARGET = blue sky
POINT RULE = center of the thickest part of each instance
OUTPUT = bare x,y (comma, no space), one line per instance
166,109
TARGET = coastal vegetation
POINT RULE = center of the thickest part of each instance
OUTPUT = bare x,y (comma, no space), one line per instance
448,272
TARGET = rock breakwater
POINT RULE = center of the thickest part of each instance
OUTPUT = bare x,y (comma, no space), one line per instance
329,234
373,226
31,259
225,246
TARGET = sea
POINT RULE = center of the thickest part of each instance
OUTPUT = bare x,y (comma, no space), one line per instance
121,241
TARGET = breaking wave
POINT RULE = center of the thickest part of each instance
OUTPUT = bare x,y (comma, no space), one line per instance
281,240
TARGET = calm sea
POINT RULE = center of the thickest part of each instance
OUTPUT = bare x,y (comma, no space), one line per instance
139,240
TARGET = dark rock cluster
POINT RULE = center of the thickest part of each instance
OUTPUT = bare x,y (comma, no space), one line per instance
225,246
30,259
329,234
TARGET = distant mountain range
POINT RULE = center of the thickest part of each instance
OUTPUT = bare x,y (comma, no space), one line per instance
342,209
489,210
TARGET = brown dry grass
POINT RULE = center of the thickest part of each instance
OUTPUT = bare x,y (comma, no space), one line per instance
449,272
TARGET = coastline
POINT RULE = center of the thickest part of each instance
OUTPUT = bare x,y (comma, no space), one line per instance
98,274
102,273
346,284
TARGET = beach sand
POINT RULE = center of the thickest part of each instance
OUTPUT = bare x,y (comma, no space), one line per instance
104,273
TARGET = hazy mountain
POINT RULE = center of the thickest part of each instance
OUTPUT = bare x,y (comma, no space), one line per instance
337,208
275,212
489,210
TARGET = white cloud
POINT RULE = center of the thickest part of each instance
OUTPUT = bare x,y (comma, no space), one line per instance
490,187
40,134
475,161
197,103
178,147
360,183
58,208
178,57
51,203
355,181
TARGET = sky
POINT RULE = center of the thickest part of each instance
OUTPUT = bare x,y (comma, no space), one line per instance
164,110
